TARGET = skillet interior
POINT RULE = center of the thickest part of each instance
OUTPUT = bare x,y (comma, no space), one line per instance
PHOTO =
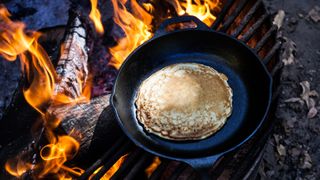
248,78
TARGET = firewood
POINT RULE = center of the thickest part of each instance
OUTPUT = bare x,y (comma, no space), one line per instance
92,124
72,67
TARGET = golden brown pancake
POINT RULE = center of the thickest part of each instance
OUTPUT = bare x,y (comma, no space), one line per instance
185,101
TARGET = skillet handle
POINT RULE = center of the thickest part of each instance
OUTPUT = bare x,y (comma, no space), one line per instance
180,19
203,165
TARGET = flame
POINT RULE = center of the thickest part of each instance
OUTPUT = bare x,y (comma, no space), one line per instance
17,168
153,166
85,96
95,16
112,170
56,153
40,73
35,61
199,8
136,26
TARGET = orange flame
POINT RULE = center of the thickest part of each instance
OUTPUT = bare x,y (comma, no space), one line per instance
153,166
199,8
41,75
136,26
60,150
112,170
14,41
17,168
36,63
95,16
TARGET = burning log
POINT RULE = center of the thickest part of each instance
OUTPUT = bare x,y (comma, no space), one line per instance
86,122
72,67
90,123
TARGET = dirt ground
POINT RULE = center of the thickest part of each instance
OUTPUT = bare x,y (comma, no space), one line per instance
293,150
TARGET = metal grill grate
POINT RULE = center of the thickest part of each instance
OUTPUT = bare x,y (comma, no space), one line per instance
249,21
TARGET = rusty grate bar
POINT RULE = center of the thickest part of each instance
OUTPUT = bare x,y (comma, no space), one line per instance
142,163
181,167
222,14
264,39
247,18
105,157
233,16
274,72
159,171
272,52
248,176
251,156
222,163
128,163
138,159
253,29
112,160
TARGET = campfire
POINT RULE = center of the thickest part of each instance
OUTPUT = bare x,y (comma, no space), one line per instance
68,75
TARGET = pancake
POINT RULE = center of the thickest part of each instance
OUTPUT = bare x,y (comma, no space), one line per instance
185,101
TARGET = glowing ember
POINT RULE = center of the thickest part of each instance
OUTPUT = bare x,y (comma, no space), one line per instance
136,26
153,166
95,16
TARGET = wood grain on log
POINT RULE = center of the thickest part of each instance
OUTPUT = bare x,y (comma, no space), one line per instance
72,67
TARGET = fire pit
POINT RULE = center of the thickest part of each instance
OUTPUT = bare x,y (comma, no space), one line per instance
76,135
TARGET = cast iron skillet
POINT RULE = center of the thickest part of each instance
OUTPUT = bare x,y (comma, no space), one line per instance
248,78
